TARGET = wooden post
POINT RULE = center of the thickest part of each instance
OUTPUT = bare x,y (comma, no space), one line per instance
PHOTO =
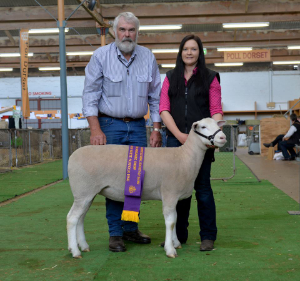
61,12
102,29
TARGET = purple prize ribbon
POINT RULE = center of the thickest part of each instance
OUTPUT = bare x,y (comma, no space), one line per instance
134,178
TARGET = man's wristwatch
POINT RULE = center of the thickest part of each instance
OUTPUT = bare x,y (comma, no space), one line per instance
156,129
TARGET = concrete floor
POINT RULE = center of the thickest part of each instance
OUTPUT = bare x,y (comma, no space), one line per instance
285,175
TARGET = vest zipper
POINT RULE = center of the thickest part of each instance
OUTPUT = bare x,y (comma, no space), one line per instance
185,112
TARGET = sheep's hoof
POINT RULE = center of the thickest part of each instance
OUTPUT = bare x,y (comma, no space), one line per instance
178,247
78,257
171,256
86,250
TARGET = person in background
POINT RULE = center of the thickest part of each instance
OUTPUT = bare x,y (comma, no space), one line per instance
121,80
287,142
191,92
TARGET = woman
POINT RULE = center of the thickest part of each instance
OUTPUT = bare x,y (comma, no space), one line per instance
189,93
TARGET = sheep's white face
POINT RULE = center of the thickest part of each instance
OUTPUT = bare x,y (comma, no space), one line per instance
208,127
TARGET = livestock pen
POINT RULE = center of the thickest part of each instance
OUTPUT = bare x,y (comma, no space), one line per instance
256,237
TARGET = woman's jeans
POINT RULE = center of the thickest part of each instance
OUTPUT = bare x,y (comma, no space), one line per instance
126,133
205,202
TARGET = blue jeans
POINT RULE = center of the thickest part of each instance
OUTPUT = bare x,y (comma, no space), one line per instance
205,201
126,133
285,147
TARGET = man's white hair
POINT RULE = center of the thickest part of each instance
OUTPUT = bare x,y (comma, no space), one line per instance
128,17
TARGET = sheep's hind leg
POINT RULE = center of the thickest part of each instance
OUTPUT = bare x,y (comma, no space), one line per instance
79,208
80,230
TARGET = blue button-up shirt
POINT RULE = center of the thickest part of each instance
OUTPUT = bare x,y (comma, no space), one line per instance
121,88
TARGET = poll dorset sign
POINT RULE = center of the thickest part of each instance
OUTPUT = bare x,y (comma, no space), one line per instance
247,56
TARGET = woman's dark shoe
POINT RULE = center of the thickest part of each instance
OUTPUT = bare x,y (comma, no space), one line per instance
137,237
207,245
116,244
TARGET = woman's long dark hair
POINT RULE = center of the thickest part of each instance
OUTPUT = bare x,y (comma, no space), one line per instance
177,84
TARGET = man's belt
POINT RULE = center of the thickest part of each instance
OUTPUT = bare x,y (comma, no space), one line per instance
125,119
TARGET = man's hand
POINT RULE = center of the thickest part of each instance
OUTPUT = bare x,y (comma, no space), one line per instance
98,138
155,139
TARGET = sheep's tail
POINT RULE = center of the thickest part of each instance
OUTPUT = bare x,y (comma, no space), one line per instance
130,216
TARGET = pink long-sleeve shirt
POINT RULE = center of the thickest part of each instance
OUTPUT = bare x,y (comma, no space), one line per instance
215,105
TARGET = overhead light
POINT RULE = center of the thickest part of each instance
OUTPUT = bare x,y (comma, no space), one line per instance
49,68
294,47
10,55
168,65
46,30
234,49
287,62
245,24
160,27
229,64
155,51
79,53
4,69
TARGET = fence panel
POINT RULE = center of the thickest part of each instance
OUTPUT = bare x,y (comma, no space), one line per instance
5,150
224,166
25,147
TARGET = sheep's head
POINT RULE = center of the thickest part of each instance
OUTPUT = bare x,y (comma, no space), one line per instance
210,132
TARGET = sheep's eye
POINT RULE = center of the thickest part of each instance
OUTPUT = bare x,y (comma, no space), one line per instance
203,127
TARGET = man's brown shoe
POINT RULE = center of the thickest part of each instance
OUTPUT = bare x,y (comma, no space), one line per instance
116,244
207,245
137,237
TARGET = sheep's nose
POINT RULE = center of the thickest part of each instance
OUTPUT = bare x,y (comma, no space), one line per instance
223,137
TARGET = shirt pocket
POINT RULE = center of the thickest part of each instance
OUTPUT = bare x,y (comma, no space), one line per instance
113,85
143,82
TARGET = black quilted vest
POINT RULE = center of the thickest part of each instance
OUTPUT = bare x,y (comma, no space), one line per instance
189,108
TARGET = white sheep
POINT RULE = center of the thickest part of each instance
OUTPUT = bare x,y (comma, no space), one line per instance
170,173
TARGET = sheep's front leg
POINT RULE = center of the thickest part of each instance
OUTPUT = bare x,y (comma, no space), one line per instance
170,221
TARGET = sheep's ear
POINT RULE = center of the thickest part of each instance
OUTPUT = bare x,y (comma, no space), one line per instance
221,123
195,126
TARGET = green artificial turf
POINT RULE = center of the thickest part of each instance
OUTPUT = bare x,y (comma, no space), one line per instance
25,179
257,239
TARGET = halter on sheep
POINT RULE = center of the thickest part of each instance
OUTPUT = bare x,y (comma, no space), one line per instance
170,176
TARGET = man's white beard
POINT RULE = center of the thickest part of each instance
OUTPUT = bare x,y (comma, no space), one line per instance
126,45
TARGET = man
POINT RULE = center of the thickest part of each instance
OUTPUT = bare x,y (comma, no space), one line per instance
288,141
122,79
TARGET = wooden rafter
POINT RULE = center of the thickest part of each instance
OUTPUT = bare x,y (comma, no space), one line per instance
155,13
